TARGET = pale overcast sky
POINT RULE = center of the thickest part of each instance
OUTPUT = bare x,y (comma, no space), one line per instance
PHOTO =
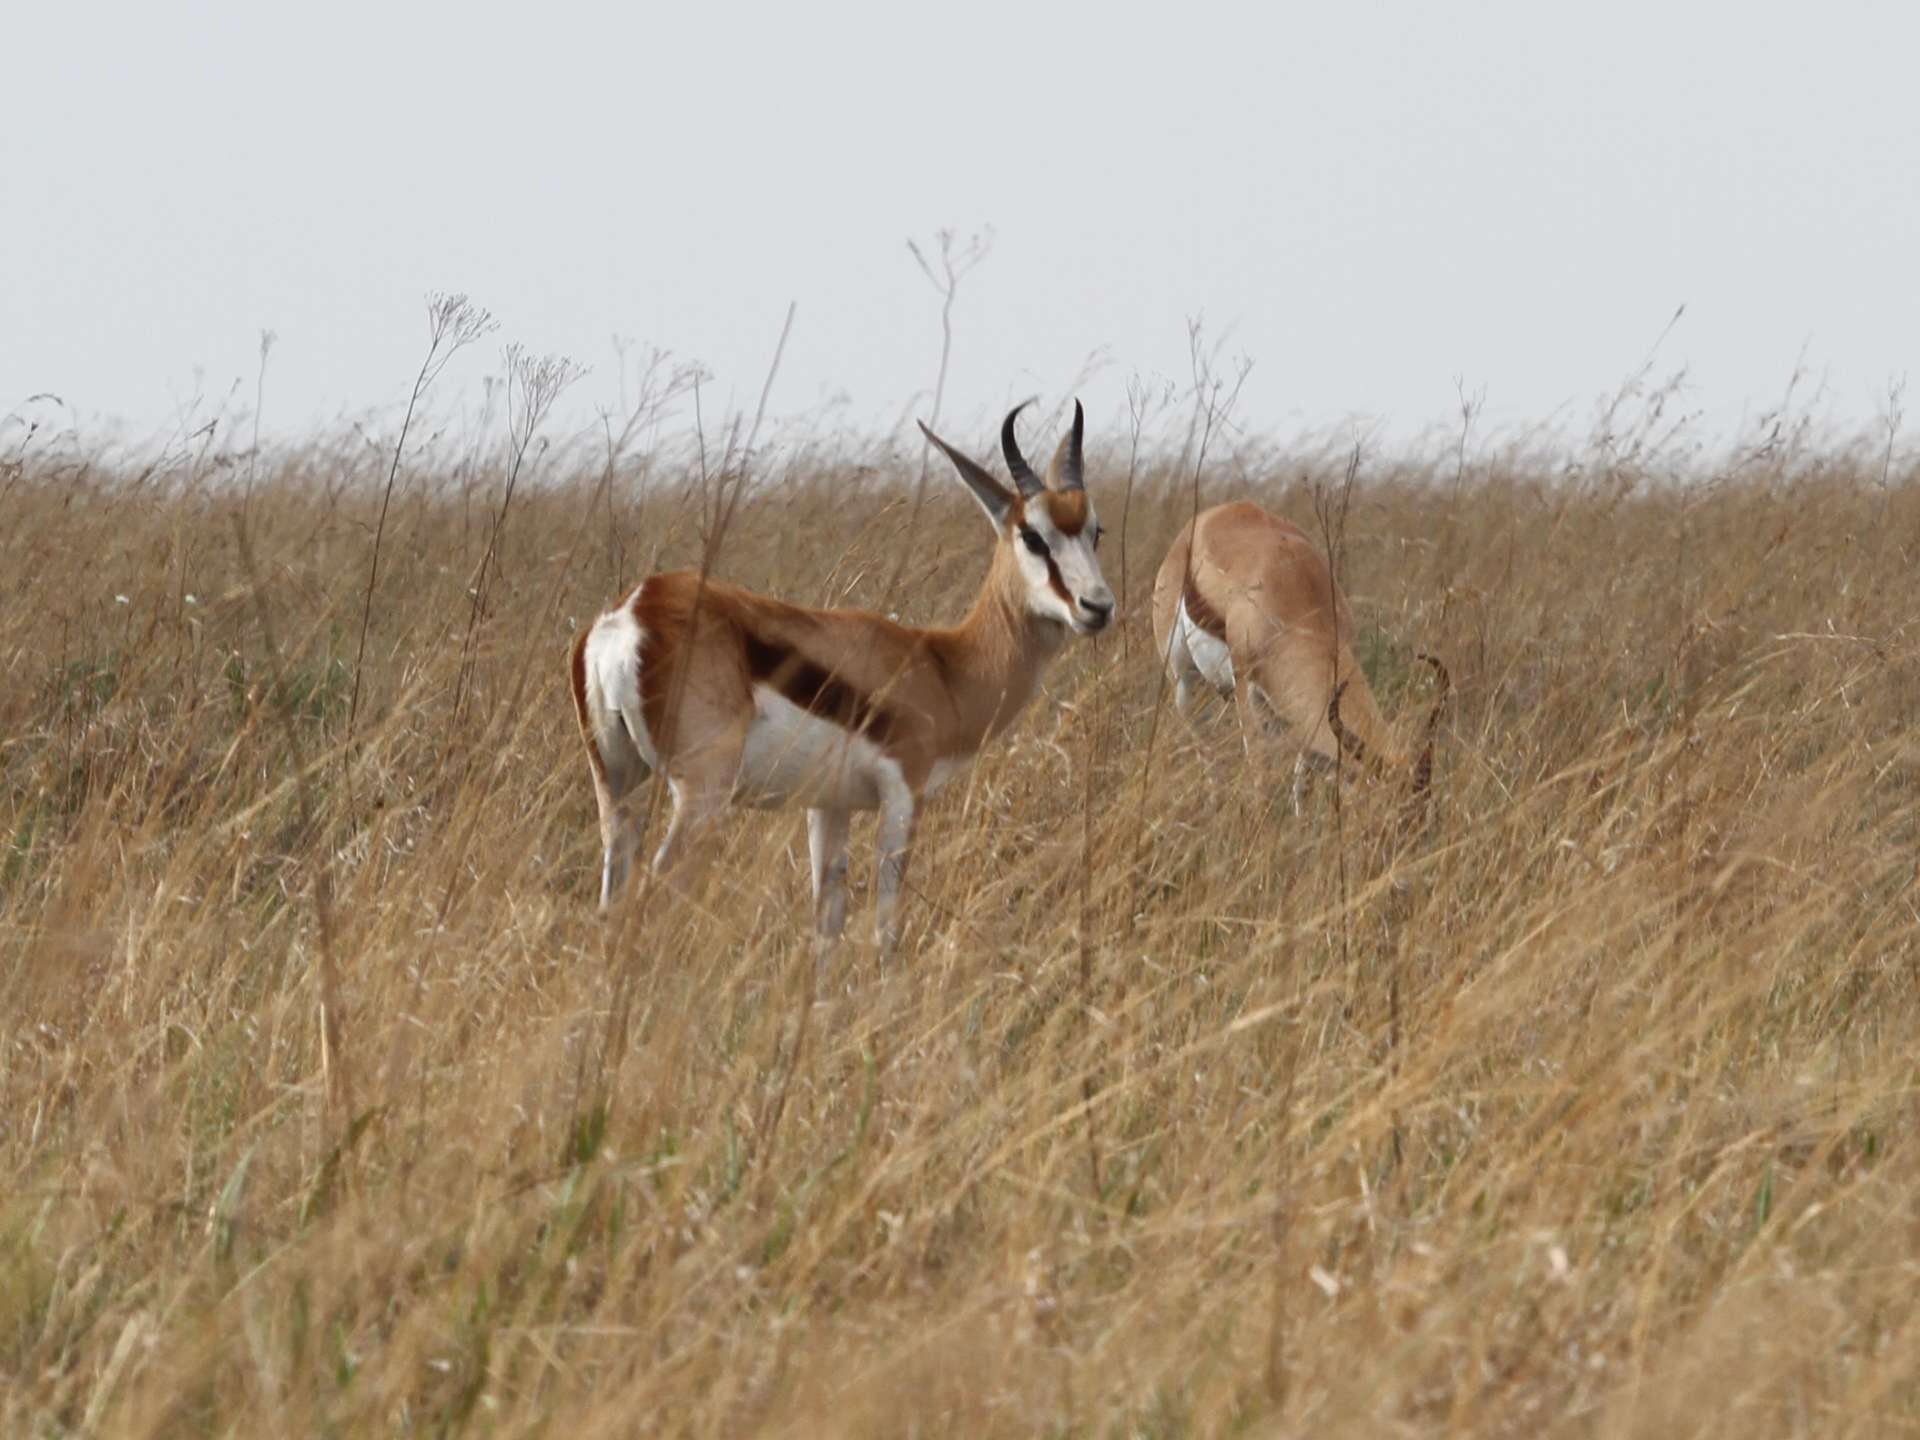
1376,200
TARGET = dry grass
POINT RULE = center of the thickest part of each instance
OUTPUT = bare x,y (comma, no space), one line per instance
327,1106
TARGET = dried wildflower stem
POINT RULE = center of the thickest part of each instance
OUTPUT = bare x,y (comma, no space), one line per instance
955,263
453,323
540,381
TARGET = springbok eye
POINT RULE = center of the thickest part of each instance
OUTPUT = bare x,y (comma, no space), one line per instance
1031,539
1098,531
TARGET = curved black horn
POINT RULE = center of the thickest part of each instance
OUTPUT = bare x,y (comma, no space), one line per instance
1348,741
1017,466
1068,473
1423,767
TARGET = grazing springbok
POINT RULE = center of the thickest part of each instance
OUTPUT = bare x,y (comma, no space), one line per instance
740,698
1246,604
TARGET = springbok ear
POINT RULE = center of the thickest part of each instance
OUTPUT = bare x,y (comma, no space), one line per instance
994,497
1066,471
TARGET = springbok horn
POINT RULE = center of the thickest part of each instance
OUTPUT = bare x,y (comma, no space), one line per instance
1348,741
1066,472
1423,767
1017,466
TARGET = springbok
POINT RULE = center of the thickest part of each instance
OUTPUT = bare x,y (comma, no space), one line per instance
736,697
1246,604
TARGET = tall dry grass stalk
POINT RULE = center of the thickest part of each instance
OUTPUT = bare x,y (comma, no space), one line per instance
1112,1149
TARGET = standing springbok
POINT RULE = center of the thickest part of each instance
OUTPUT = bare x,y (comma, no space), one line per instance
739,698
1246,604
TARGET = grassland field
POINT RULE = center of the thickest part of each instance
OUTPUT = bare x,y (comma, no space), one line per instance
329,1106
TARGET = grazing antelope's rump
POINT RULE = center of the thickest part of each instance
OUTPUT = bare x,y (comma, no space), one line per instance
1246,605
737,697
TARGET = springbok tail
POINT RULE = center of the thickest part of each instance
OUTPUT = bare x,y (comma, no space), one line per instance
604,724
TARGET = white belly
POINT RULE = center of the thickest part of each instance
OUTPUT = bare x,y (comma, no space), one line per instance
794,758
1210,656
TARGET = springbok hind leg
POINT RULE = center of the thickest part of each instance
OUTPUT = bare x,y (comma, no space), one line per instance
682,854
617,773
619,838
1258,721
1306,766
701,785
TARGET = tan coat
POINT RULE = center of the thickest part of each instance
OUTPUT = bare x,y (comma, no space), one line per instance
1245,603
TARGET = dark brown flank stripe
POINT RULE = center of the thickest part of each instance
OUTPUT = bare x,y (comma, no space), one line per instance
1203,614
813,689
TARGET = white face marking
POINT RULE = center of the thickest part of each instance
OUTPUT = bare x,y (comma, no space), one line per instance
1077,563
792,757
1210,656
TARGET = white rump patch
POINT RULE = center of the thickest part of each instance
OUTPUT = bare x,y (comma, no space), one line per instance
1209,656
613,679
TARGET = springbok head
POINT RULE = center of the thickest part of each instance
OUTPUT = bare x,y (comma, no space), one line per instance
1420,771
1049,526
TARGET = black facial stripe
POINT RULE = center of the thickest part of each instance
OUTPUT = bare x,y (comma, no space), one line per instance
1058,585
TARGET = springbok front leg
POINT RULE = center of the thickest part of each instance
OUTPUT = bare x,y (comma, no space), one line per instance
897,809
1252,725
827,848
